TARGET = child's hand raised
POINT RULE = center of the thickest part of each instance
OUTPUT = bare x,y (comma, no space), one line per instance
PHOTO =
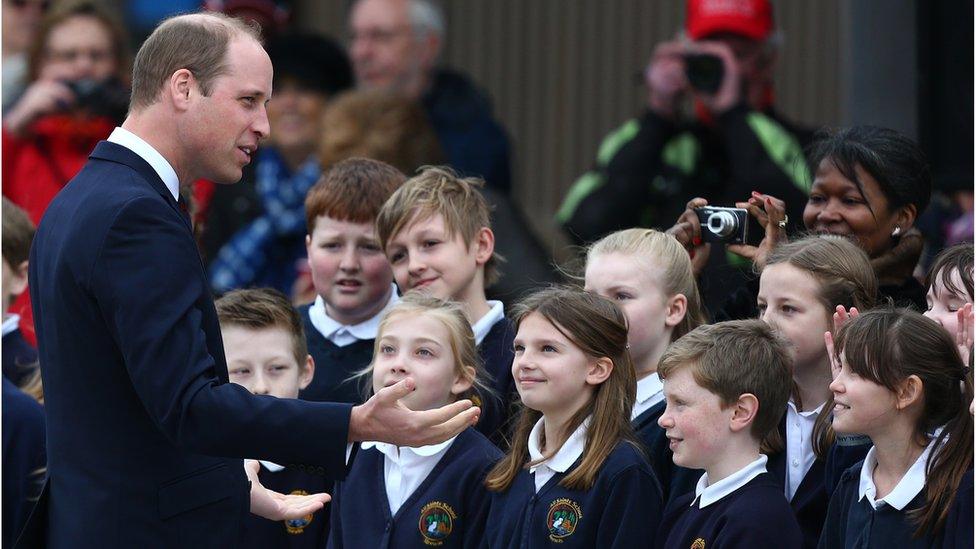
964,332
275,506
384,418
770,212
841,316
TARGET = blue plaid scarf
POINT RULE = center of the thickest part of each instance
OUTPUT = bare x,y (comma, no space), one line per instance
282,195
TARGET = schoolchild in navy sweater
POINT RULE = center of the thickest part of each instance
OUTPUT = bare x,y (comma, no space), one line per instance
266,354
432,495
436,232
901,388
19,356
803,287
717,413
350,273
648,273
574,474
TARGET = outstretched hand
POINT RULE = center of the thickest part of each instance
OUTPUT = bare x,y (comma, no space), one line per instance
964,332
687,231
841,317
384,418
275,506
770,212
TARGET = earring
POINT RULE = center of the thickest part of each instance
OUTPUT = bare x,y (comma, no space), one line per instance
896,232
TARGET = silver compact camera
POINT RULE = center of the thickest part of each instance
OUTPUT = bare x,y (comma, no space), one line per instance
725,225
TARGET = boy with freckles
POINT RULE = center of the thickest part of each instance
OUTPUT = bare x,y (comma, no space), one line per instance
726,386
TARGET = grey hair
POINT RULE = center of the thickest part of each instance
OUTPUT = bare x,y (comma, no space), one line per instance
426,18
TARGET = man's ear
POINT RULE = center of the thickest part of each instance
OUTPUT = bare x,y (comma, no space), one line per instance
182,85
908,392
430,46
308,372
744,411
598,370
484,242
676,310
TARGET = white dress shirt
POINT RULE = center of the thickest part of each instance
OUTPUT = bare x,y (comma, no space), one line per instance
342,335
160,165
904,492
799,446
650,391
10,323
405,469
484,324
567,455
706,494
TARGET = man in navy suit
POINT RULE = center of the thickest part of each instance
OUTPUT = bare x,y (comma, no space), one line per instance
145,434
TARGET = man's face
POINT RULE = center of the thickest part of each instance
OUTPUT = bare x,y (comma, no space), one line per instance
220,133
295,116
385,51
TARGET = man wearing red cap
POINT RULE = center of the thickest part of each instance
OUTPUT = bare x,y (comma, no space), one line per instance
710,130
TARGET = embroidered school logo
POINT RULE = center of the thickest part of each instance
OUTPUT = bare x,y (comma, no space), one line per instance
698,544
564,515
297,526
436,522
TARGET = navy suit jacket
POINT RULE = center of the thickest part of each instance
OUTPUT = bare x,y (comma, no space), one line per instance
145,434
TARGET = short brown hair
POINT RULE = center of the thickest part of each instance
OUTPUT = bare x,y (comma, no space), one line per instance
736,357
352,190
955,258
439,190
18,233
63,11
262,309
196,42
381,125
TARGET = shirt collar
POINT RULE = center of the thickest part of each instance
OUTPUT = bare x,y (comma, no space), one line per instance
706,494
809,413
10,323
393,452
271,466
567,455
366,329
648,387
162,167
484,324
907,488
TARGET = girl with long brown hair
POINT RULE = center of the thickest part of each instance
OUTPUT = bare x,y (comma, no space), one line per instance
901,382
574,472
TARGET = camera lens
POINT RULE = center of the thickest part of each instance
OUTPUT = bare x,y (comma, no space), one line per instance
722,223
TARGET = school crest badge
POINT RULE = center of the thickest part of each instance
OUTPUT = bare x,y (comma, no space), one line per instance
564,514
698,544
436,522
297,526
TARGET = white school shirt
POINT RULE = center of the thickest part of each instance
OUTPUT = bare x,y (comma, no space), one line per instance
10,323
405,468
341,334
907,488
799,446
567,455
650,391
162,167
484,324
706,494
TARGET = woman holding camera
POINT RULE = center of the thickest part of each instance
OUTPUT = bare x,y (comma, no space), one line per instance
78,66
870,184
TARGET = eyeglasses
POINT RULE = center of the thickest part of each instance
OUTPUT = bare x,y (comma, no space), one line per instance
378,35
21,4
70,56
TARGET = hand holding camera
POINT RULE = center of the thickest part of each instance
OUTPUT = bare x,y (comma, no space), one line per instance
770,212
707,70
42,97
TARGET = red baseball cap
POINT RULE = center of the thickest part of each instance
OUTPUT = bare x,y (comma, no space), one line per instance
750,18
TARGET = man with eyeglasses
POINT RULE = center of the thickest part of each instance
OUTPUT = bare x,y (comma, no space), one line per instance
394,45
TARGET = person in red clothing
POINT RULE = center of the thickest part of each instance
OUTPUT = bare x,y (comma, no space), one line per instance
78,66
78,94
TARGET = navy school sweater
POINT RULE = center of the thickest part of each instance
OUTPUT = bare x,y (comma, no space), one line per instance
622,509
24,457
756,515
958,531
810,501
305,533
856,524
448,509
675,480
334,365
497,354
19,358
